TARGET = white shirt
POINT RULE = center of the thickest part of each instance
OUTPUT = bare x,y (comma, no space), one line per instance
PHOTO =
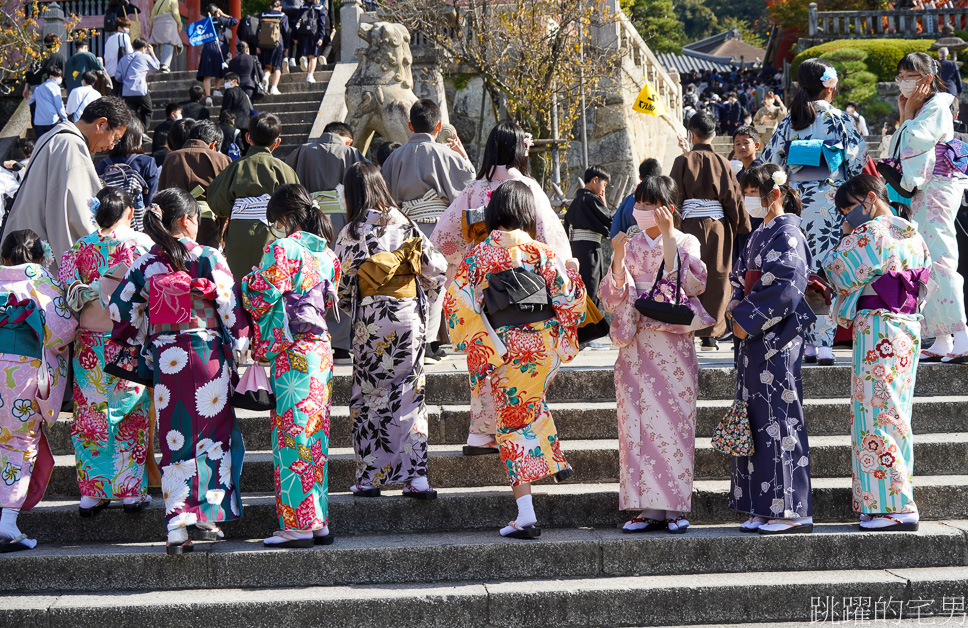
78,99
111,46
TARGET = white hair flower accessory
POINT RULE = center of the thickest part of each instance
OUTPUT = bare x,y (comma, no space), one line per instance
528,141
155,209
829,78
315,204
779,178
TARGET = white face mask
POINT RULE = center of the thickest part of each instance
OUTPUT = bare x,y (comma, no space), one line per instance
57,80
908,87
850,110
177,116
754,207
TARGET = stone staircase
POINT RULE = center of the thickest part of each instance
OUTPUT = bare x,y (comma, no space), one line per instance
404,563
296,107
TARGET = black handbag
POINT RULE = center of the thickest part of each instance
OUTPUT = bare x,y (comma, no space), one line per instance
129,366
677,313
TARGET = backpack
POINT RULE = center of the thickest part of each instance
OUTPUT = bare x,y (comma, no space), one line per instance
308,23
248,29
110,20
122,175
270,33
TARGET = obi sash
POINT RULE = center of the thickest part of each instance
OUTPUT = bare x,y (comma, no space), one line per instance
22,333
328,201
702,208
307,312
91,300
251,208
394,273
517,296
176,302
950,158
472,226
426,209
896,292
585,235
814,160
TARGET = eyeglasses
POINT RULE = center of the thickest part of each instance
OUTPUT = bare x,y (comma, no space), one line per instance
899,78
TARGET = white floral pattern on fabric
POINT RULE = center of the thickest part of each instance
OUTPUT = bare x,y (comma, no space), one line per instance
173,360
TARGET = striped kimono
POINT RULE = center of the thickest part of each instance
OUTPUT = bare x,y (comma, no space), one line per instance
111,415
522,360
880,259
287,296
186,325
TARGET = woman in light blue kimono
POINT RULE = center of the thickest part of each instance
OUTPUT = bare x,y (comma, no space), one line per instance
817,178
919,144
880,270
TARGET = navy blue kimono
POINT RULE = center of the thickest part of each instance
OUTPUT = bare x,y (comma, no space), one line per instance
775,481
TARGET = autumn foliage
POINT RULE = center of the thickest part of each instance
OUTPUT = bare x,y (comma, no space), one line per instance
21,40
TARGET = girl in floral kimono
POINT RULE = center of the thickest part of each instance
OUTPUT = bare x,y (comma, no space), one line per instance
816,172
111,415
505,158
179,305
770,316
36,329
880,271
391,275
287,296
919,143
656,374
514,309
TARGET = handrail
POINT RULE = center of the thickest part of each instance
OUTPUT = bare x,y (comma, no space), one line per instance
916,23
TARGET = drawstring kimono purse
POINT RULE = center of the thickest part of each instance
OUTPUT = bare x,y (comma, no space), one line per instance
733,435
254,392
677,313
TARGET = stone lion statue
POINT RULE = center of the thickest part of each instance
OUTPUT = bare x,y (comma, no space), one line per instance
380,92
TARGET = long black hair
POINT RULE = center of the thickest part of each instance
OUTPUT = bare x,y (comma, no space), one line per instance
112,205
924,65
175,203
22,247
505,147
292,205
364,189
809,74
660,191
760,178
859,187
512,207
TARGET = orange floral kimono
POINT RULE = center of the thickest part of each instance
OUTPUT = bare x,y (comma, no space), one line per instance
521,360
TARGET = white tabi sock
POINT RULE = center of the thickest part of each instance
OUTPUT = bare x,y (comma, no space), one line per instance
651,513
480,440
773,527
809,350
526,516
89,502
323,531
282,536
9,529
420,483
825,353
128,501
875,521
942,345
177,536
960,345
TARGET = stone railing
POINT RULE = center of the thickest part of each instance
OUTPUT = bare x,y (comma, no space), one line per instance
901,23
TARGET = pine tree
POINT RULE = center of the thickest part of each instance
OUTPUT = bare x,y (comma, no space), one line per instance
657,23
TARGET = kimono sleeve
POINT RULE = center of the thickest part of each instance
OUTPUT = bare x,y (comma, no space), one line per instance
693,268
228,299
447,234
218,194
128,308
433,269
856,154
737,276
619,300
915,140
566,288
780,288
859,258
262,292
466,327
776,150
59,329
351,252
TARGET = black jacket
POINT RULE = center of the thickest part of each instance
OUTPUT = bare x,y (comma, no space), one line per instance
248,69
236,101
588,211
194,110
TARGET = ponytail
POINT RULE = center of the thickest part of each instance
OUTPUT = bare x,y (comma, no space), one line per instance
810,81
22,247
292,205
791,200
173,204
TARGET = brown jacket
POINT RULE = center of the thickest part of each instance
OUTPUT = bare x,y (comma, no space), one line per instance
703,174
193,165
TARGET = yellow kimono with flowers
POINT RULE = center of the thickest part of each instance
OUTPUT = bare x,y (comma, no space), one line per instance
520,360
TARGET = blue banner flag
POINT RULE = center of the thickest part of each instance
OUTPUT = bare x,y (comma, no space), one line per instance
201,32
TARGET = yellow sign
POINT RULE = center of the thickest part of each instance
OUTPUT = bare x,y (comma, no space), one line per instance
649,103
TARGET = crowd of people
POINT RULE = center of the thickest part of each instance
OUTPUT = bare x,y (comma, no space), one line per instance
151,308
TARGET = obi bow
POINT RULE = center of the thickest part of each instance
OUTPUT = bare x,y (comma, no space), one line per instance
391,273
23,334
170,297
898,291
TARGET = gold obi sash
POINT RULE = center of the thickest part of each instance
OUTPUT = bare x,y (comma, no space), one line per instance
394,273
92,300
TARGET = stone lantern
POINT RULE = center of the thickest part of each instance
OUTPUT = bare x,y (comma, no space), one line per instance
950,41
54,21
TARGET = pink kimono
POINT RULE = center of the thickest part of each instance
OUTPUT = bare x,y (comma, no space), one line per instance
656,379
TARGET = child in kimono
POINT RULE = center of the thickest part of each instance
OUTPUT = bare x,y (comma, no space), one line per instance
288,296
36,329
588,222
770,315
514,308
920,145
391,277
461,227
657,372
111,415
179,305
880,270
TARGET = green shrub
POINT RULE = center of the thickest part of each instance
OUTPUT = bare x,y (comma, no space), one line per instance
882,54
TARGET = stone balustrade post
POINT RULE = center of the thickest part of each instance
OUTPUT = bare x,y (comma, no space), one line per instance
350,17
812,19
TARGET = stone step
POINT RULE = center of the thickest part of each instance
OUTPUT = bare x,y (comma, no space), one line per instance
651,600
268,106
448,425
189,75
289,119
473,556
566,505
183,84
593,461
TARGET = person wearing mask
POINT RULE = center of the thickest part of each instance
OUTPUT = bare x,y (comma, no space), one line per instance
48,105
247,67
82,61
212,64
272,35
320,165
54,198
166,25
193,168
622,221
193,107
772,111
237,101
173,113
116,47
949,73
133,70
812,117
82,96
859,122
56,57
